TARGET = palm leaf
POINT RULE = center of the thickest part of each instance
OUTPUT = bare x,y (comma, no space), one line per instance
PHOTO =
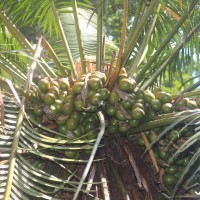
39,145
28,179
65,17
164,43
193,160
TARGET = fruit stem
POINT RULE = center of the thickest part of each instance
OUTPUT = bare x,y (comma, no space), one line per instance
109,73
121,50
99,35
79,37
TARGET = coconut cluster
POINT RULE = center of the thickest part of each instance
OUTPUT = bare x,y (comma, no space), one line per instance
72,106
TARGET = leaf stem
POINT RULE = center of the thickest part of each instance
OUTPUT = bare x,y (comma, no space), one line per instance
135,21
12,70
99,35
3,81
54,57
140,75
166,62
121,50
144,46
162,120
136,33
79,38
104,181
25,45
188,94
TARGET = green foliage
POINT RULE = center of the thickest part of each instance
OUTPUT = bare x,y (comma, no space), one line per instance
161,49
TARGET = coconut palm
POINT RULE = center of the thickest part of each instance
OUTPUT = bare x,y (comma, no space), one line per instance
58,41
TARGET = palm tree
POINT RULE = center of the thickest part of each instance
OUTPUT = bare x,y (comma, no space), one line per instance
54,43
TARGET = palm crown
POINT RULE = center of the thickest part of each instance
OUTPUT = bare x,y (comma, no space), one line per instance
78,56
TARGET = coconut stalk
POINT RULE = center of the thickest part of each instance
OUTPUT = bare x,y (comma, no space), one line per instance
79,37
13,153
121,49
99,35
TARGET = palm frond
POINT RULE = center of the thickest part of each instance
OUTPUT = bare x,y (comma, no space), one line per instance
64,12
35,150
162,38
165,42
193,160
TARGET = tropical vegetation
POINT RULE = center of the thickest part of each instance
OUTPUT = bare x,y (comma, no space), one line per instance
99,100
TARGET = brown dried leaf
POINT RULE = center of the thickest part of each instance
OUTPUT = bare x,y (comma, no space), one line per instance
122,94
69,134
161,173
161,142
3,162
124,112
181,108
154,162
133,164
51,126
162,163
179,98
85,87
144,183
62,117
46,121
109,71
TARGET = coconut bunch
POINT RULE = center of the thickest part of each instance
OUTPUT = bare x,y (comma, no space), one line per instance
124,106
